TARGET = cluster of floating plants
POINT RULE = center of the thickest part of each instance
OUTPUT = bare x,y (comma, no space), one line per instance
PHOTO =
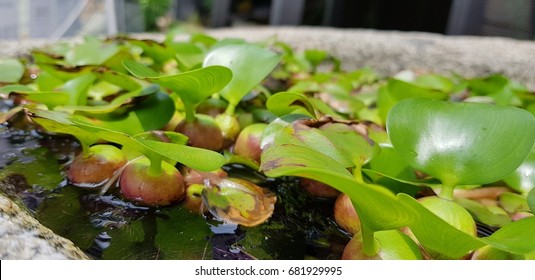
414,166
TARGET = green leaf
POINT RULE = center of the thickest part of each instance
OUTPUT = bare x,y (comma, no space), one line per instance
377,207
249,64
395,245
60,122
285,103
462,143
48,82
300,134
437,235
349,141
523,178
11,70
516,237
483,214
77,89
531,200
195,86
188,55
157,51
151,114
513,202
139,70
92,52
117,78
196,158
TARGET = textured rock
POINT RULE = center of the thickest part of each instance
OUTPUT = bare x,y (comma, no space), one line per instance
23,238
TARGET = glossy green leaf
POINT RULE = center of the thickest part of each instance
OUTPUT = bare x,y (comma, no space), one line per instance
462,143
50,98
437,235
513,202
157,51
249,64
11,70
48,82
484,214
516,237
196,158
378,208
195,86
59,122
300,134
77,89
92,52
523,178
531,200
188,55
153,113
285,103
315,57
436,82
347,139
139,70
395,245
117,78
397,90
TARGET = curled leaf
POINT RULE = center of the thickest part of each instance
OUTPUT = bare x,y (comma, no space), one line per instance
239,201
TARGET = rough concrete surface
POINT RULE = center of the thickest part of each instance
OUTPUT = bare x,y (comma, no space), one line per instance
388,52
23,238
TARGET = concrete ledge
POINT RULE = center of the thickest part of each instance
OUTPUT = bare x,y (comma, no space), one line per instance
387,52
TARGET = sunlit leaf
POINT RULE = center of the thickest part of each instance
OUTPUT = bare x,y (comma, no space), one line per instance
483,214
463,143
377,207
523,178
92,52
437,235
300,134
531,200
11,70
196,158
285,103
152,113
77,89
249,64
117,78
516,237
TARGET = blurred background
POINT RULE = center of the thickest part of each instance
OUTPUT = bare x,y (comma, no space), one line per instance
55,19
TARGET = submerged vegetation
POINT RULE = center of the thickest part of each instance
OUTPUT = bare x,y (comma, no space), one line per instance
258,140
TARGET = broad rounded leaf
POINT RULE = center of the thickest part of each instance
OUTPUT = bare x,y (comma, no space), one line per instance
11,70
523,178
516,237
250,64
461,143
437,235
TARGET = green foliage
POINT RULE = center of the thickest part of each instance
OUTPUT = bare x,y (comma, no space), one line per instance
462,143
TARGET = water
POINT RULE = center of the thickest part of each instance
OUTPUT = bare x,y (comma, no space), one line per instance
106,227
